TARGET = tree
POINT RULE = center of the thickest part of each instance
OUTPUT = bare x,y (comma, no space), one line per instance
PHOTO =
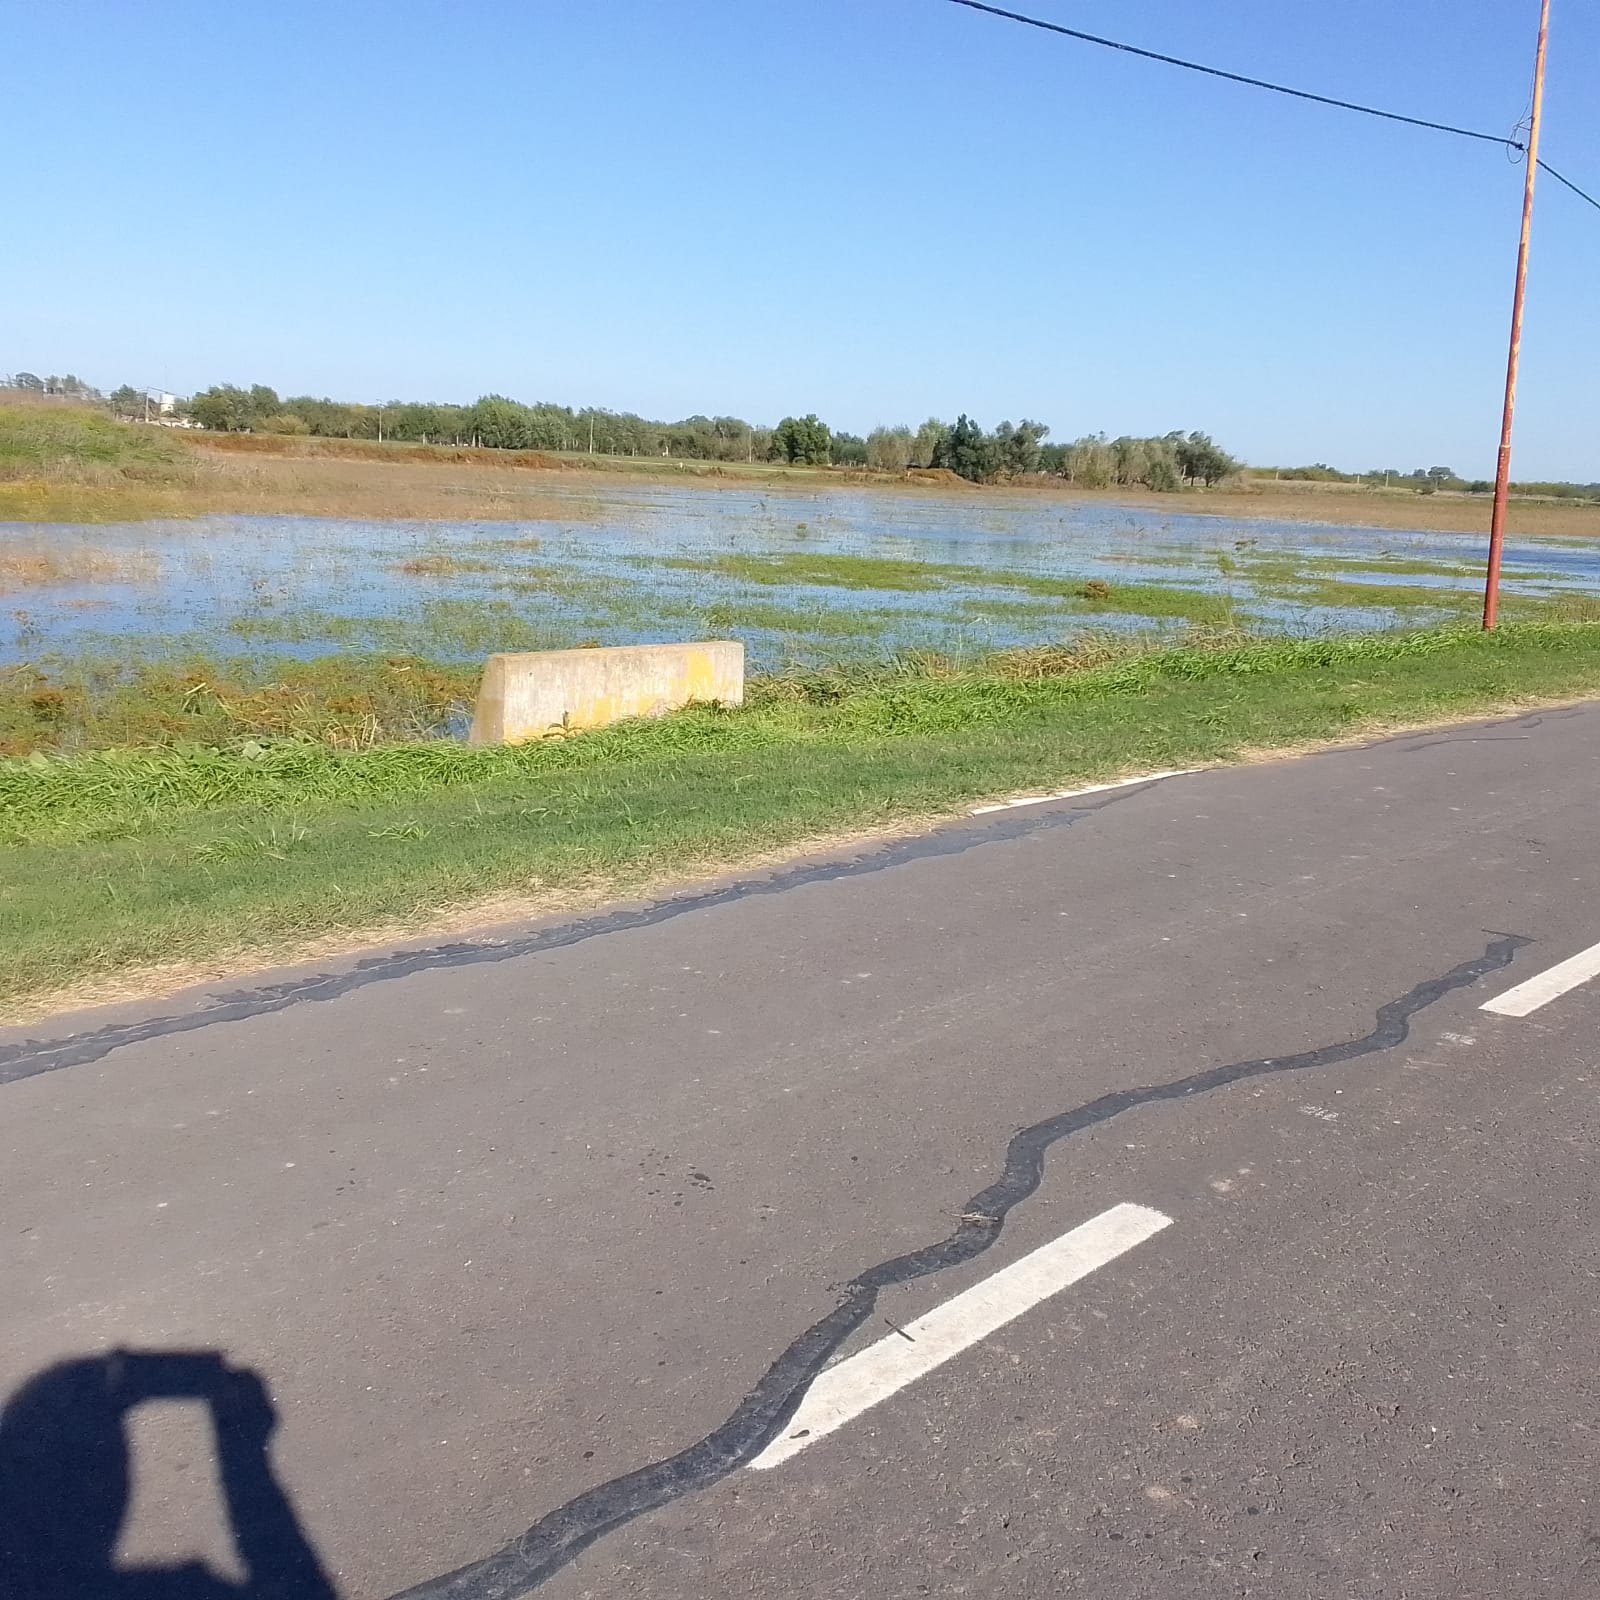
1161,474
1090,461
225,408
1017,449
126,401
848,450
332,419
499,423
802,439
889,449
930,436
30,381
1200,459
1442,475
968,451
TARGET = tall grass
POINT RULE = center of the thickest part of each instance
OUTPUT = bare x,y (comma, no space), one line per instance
104,793
345,702
81,444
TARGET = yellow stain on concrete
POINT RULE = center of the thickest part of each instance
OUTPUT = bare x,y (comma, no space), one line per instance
534,694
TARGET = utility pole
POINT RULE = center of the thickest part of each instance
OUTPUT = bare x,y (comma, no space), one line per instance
1502,476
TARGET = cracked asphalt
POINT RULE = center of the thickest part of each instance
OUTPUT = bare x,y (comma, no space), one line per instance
536,1239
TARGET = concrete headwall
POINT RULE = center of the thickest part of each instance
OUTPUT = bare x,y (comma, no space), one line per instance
530,695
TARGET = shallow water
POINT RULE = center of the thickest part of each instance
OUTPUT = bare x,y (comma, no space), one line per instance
301,585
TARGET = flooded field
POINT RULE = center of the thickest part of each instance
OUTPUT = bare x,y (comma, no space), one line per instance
801,577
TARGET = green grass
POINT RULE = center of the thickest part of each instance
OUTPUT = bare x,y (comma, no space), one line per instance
739,617
1159,600
1288,566
1326,581
118,859
1323,581
1557,608
820,569
1317,591
66,463
40,440
1405,567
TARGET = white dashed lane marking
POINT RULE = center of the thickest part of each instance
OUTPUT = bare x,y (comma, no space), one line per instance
1072,794
841,1393
1544,987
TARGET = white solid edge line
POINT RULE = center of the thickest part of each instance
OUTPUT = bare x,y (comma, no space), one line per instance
840,1393
1545,986
1072,794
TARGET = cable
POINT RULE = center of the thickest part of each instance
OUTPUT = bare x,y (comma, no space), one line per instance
1516,146
1253,83
1544,166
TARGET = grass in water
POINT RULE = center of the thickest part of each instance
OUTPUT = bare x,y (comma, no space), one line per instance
817,567
123,858
822,569
441,564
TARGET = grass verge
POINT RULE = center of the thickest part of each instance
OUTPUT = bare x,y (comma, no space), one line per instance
124,860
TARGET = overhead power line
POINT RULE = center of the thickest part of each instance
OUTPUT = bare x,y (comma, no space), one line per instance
1504,140
1544,166
1235,77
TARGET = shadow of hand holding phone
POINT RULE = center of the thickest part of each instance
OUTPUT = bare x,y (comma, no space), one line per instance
66,1481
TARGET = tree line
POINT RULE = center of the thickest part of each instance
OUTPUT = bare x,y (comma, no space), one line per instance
1161,462
1011,450
1429,480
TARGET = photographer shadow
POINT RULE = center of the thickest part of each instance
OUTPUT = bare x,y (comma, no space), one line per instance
66,1481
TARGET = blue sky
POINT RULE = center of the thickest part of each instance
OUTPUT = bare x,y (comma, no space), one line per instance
873,209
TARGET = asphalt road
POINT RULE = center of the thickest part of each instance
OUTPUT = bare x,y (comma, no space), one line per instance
539,1241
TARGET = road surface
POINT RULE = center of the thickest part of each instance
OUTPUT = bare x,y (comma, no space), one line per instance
1121,1195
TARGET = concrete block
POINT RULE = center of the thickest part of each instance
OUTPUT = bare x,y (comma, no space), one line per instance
529,695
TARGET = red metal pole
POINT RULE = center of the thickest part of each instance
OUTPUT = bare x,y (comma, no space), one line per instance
1502,476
